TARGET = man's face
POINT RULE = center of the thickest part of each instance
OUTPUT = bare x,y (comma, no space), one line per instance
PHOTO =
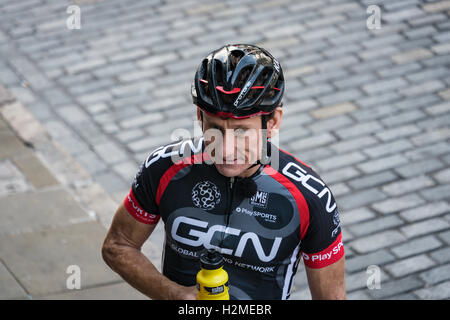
233,144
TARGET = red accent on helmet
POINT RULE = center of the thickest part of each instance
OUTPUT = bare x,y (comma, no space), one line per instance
221,89
235,90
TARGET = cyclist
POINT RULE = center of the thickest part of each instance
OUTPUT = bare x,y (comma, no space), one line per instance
234,191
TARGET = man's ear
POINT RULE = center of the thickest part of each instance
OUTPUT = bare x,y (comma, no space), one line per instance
200,117
274,123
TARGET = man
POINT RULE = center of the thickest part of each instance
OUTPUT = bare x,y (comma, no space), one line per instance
231,190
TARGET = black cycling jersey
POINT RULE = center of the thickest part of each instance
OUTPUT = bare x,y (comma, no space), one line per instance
293,214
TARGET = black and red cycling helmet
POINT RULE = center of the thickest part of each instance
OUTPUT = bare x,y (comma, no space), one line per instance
238,81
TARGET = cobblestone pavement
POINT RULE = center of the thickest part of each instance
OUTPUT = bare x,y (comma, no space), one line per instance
368,109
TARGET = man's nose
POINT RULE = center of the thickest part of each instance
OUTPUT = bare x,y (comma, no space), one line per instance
229,145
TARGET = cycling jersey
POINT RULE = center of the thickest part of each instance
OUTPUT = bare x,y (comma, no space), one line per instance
292,215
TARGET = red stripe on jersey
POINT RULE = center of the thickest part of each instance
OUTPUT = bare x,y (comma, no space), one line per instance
173,169
302,205
137,212
325,257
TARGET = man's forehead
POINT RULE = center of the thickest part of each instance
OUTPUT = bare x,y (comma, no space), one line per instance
219,120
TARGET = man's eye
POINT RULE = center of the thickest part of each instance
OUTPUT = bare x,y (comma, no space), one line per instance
239,132
217,128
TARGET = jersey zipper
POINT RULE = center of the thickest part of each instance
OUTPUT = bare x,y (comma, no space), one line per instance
230,203
229,206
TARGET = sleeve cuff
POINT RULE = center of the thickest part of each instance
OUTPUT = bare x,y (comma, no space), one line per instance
325,257
136,211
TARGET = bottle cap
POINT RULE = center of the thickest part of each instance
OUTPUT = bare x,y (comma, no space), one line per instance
211,260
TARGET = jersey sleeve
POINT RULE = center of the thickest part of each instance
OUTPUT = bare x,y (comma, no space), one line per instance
140,201
322,244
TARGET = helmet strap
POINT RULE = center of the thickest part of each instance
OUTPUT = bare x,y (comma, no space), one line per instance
265,158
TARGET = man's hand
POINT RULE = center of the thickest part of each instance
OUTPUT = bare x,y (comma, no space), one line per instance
122,252
185,293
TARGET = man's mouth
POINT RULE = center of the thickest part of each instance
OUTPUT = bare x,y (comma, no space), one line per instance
229,161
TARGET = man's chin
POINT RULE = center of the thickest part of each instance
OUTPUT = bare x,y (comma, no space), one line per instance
231,170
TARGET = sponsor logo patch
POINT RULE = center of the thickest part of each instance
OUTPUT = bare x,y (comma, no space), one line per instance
260,198
206,195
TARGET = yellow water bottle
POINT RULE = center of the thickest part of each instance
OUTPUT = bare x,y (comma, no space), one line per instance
212,279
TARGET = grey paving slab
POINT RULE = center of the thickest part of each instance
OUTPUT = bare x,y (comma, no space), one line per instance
11,145
396,287
40,259
3,125
360,262
10,287
358,280
11,179
440,291
377,241
29,211
35,172
116,291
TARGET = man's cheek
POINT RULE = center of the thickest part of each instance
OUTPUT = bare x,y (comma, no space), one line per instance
241,156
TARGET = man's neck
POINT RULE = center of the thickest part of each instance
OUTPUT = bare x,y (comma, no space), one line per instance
249,172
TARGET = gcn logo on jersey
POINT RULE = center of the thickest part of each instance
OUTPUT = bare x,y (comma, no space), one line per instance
196,237
205,195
